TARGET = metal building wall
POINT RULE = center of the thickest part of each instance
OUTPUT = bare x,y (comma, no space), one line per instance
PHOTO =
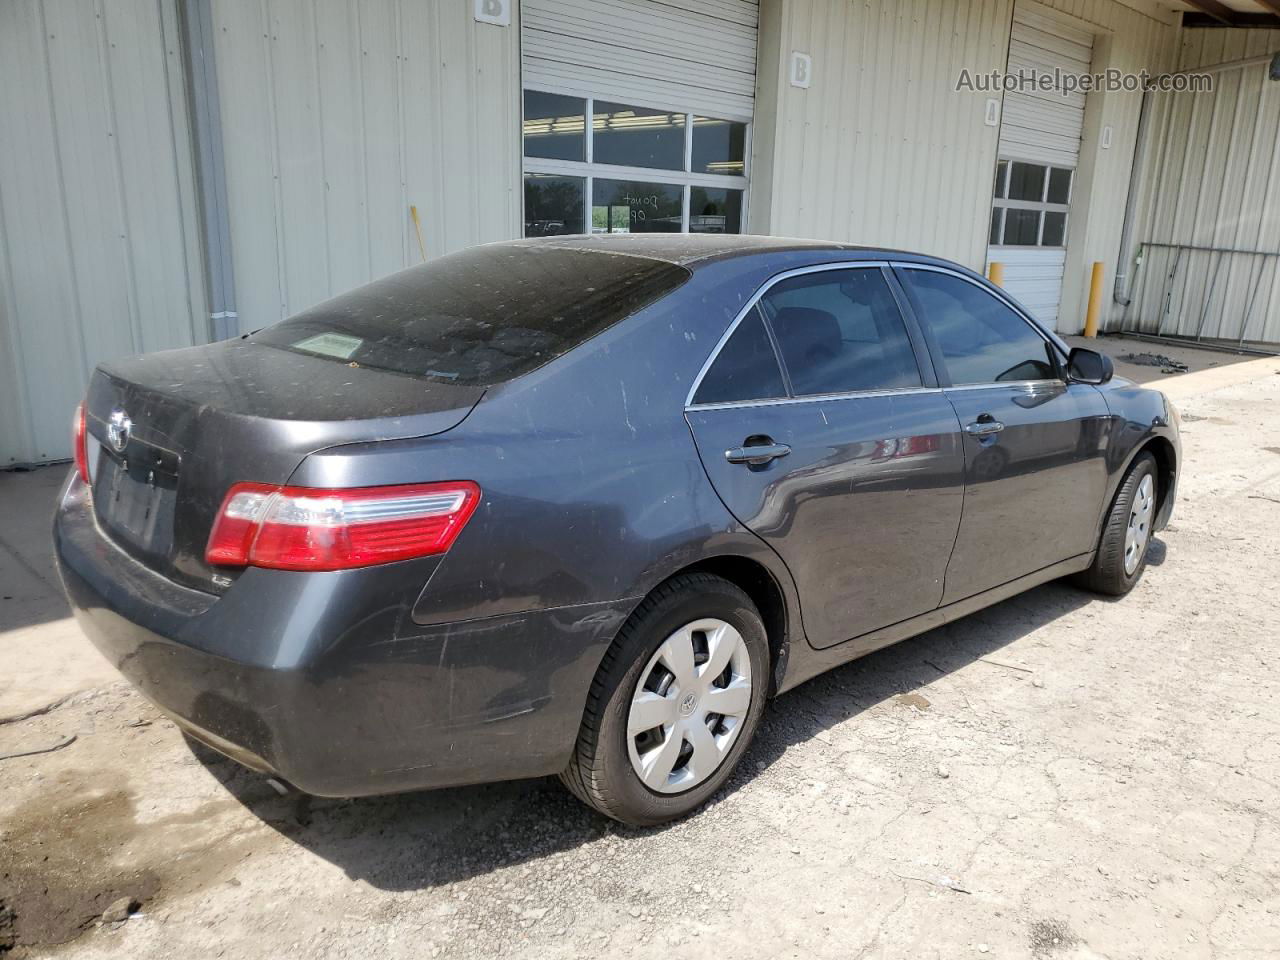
99,251
1212,180
337,115
882,149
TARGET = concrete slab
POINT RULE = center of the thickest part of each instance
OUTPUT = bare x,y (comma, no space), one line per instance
45,657
1195,357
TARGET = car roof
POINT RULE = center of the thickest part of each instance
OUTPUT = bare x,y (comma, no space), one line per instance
692,249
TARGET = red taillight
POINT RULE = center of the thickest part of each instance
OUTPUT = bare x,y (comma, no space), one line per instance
303,528
80,441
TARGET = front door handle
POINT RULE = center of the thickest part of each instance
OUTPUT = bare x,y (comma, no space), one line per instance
983,427
757,455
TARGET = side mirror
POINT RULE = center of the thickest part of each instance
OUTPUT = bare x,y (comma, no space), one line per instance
1089,366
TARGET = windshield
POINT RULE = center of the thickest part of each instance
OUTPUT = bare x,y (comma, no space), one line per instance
478,317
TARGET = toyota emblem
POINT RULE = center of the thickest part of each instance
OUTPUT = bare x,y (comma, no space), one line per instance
118,427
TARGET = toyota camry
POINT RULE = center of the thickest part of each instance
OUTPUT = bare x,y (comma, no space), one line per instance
581,506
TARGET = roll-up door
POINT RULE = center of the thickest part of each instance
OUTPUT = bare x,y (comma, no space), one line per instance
1039,149
637,115
698,55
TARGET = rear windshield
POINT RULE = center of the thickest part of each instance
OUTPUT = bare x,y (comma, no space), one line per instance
478,317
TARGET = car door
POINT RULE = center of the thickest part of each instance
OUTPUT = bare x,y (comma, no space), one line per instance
821,434
1035,473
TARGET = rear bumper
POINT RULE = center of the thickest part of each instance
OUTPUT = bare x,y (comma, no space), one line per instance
324,679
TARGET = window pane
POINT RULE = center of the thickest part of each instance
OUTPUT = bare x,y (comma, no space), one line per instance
995,224
552,205
1055,229
712,210
554,126
1021,227
1002,171
841,330
480,316
1026,181
746,369
637,136
719,146
982,340
1059,185
625,206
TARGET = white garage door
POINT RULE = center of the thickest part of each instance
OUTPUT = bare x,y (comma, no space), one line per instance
692,54
1039,149
637,115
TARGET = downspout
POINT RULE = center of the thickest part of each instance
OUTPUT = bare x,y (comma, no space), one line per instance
1121,294
206,135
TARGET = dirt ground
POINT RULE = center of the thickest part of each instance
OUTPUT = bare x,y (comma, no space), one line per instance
1059,776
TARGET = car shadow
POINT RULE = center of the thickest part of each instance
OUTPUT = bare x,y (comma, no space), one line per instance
422,840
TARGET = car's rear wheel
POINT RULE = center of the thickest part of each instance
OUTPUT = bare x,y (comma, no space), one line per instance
1126,534
674,703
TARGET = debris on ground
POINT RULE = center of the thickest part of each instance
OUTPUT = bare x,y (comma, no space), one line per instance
1166,363
120,910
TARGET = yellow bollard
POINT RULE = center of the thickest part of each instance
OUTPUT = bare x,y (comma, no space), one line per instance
1095,301
995,273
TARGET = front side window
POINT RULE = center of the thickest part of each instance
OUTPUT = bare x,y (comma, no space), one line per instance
601,166
981,338
746,368
841,331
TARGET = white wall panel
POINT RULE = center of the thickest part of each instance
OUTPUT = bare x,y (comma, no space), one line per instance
338,115
695,55
98,242
1212,179
882,149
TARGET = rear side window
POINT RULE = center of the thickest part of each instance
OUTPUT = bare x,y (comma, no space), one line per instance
982,340
841,331
481,316
745,369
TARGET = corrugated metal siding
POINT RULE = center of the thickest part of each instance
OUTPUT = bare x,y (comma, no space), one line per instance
881,149
697,55
340,114
98,249
1213,180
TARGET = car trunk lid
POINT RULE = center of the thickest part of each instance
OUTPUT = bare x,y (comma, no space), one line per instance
170,433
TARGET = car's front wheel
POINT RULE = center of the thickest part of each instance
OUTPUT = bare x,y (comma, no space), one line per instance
674,703
1126,533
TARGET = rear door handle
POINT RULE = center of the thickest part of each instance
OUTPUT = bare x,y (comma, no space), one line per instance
757,455
982,428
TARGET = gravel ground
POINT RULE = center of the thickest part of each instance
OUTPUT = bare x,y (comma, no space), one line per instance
1057,776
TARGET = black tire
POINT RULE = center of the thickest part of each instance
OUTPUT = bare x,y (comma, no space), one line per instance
600,773
1107,574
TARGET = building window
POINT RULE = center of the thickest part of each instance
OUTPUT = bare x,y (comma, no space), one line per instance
631,169
1031,204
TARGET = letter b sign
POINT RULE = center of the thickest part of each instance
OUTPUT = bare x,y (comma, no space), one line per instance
494,11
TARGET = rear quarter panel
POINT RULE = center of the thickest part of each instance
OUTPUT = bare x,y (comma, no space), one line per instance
592,486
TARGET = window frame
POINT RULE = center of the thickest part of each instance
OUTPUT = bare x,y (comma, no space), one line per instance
919,346
1058,350
1000,203
590,170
